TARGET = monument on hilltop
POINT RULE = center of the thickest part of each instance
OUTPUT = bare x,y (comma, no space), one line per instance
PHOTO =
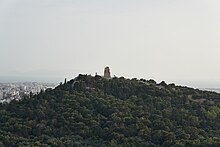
107,74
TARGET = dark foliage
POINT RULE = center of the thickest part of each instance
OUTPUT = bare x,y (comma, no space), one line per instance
92,111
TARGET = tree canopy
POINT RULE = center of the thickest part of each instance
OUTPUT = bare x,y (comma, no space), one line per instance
93,111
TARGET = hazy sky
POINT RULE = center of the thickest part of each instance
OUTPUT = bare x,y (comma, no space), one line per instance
173,40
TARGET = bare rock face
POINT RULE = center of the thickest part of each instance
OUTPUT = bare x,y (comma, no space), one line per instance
107,74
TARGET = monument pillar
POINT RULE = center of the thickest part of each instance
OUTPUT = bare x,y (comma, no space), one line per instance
107,74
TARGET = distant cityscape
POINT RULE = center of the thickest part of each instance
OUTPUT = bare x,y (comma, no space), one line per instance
15,91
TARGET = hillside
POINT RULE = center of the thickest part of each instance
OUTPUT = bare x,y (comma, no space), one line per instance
92,111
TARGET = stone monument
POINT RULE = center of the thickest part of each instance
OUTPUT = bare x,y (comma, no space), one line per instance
107,74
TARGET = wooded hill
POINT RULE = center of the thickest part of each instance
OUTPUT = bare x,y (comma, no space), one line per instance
93,111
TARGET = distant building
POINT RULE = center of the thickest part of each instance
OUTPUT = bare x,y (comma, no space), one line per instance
1,95
107,74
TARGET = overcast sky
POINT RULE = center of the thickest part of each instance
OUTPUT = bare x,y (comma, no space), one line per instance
48,40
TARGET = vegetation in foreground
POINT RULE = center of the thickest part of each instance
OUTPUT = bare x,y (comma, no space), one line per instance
93,111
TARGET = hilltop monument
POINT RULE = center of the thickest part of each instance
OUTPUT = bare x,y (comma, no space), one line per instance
107,74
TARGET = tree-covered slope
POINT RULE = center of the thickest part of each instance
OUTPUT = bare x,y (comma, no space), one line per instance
92,111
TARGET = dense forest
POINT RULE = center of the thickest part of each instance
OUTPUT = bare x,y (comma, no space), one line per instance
93,111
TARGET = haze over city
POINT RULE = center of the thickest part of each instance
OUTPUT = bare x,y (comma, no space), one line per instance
49,40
